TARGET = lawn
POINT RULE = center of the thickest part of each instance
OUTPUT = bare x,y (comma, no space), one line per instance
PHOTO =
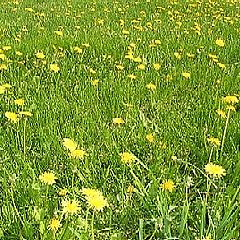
120,120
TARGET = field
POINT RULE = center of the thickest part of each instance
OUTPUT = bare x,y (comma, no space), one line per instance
120,119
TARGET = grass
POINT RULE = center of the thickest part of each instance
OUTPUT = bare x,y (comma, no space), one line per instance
179,111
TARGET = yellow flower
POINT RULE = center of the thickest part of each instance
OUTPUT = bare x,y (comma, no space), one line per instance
63,192
132,76
3,66
54,67
220,42
137,59
157,42
2,90
118,121
70,207
95,82
150,137
151,86
215,170
131,189
168,185
221,113
186,75
48,178
98,202
13,117
214,141
19,101
119,67
156,66
95,198
59,33
177,55
54,224
40,55
230,107
78,153
69,144
231,99
127,157
141,66
78,50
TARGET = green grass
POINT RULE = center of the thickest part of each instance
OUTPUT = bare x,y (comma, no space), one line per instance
180,112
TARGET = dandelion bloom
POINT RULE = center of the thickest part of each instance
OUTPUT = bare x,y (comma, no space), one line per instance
59,33
48,178
70,207
54,224
220,42
78,153
214,141
150,137
156,66
118,121
151,86
97,202
231,99
215,170
13,117
69,144
168,185
221,113
186,75
54,67
19,102
127,157
95,198
40,55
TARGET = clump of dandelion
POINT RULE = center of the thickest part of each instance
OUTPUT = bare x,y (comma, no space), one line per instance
69,144
231,100
168,185
48,178
151,86
11,116
215,170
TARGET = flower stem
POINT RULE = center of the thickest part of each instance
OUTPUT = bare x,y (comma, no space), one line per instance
224,133
92,230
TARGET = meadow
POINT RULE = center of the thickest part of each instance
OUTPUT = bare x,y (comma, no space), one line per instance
119,119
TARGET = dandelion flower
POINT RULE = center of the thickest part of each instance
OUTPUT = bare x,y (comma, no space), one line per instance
91,192
70,207
215,170
186,75
231,100
25,113
151,86
214,141
59,33
150,137
40,55
19,102
78,50
118,121
69,144
13,117
48,178
220,42
168,185
97,202
127,157
156,66
221,113
78,153
54,67
54,224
